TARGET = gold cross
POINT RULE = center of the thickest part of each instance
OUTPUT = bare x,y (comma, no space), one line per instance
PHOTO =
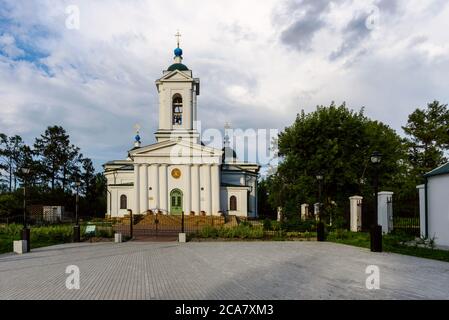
177,35
137,127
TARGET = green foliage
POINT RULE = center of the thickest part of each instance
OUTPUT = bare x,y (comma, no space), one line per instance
242,231
9,204
298,225
40,236
267,224
54,164
428,138
337,142
396,243
265,208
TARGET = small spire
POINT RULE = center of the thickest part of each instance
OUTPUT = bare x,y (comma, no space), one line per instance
177,35
227,126
178,50
137,137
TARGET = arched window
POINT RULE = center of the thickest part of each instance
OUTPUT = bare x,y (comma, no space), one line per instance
123,202
232,203
177,109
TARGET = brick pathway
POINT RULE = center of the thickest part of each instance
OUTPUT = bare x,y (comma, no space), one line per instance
219,270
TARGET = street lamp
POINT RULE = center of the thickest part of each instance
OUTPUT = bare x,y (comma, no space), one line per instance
376,230
320,225
76,228
25,230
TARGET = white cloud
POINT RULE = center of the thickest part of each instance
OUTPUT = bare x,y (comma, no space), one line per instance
98,81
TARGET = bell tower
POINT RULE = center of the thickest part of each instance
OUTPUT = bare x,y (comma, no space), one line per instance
178,91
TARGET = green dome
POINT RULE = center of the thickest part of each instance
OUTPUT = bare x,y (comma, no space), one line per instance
178,66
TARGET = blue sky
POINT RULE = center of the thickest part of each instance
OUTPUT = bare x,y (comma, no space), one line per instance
260,63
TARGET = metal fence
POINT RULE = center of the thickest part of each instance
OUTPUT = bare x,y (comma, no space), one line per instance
161,225
406,215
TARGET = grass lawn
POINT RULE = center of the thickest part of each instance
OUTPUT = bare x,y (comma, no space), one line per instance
42,236
390,243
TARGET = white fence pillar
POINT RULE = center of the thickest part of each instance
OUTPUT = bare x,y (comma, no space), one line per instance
422,209
385,210
316,210
355,206
304,211
279,214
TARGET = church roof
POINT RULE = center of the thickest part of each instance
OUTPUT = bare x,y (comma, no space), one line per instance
178,66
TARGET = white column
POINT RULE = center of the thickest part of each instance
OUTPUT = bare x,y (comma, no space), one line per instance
316,210
355,208
136,189
422,209
144,189
163,188
385,210
279,212
207,190
215,188
155,184
196,192
188,190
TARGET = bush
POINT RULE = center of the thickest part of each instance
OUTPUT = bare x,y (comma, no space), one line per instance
298,225
267,225
208,232
242,231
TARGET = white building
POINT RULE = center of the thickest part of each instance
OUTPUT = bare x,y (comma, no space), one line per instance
178,173
434,205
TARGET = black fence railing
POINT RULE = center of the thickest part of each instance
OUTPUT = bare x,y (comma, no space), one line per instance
408,225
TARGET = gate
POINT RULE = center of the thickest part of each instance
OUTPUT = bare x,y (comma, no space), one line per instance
165,227
406,215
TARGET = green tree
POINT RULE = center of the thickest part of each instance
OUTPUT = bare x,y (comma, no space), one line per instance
57,155
337,142
428,138
12,153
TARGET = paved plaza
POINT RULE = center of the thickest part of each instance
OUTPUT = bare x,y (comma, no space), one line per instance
219,270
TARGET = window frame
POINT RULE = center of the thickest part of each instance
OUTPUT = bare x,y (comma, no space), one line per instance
177,109
233,203
123,199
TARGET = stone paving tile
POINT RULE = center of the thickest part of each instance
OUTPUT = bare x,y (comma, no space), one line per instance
219,271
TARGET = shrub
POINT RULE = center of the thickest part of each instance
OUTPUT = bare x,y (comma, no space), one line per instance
267,225
208,232
245,223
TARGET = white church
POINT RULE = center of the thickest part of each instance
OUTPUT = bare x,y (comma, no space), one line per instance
179,173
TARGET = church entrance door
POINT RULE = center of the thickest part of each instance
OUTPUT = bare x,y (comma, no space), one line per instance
176,201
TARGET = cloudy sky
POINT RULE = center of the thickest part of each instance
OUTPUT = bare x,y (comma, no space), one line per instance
260,63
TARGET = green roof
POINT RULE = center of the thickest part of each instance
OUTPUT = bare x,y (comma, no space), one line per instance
178,66
444,169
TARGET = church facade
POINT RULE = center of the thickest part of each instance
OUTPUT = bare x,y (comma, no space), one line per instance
179,174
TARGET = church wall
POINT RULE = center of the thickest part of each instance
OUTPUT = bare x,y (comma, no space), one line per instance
116,192
242,204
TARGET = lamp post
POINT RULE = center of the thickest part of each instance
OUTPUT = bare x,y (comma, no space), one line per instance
376,230
25,230
320,225
76,228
